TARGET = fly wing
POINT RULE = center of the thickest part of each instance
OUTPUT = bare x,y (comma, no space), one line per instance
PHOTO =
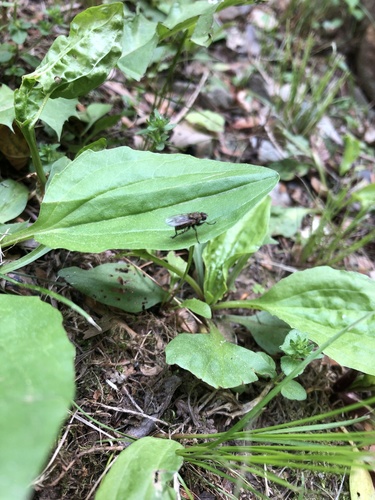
178,220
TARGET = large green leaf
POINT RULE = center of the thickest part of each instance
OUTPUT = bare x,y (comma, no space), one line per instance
73,65
143,471
76,64
37,385
217,362
323,301
121,198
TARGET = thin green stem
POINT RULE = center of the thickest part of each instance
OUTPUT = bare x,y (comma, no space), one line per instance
353,248
29,134
56,296
183,278
161,262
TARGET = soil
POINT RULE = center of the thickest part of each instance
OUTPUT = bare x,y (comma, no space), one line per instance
122,378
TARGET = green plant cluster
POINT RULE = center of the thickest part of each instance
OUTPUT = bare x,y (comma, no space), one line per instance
121,198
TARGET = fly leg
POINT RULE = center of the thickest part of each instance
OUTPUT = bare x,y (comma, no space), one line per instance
182,231
196,234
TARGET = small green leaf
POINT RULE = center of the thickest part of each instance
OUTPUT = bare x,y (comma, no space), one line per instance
294,391
119,285
286,221
198,307
13,199
366,196
288,364
6,106
268,331
208,120
218,362
288,168
121,198
94,112
297,344
351,153
37,386
138,45
143,471
321,302
240,241
185,16
7,51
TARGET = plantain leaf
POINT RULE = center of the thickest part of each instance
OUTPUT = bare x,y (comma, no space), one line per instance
239,242
143,470
37,386
321,302
76,64
121,198
13,199
73,65
119,285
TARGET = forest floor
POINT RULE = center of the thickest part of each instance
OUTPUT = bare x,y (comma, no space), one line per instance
246,77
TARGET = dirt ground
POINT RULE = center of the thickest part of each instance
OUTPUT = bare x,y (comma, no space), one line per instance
123,381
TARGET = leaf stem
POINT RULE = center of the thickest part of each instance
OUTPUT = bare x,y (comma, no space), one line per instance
29,134
161,262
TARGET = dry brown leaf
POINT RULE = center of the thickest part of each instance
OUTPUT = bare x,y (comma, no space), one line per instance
14,147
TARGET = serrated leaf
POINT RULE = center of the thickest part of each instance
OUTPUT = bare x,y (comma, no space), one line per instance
321,302
57,111
218,362
13,199
119,285
121,198
143,470
37,378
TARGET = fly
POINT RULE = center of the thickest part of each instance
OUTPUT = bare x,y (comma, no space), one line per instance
184,222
